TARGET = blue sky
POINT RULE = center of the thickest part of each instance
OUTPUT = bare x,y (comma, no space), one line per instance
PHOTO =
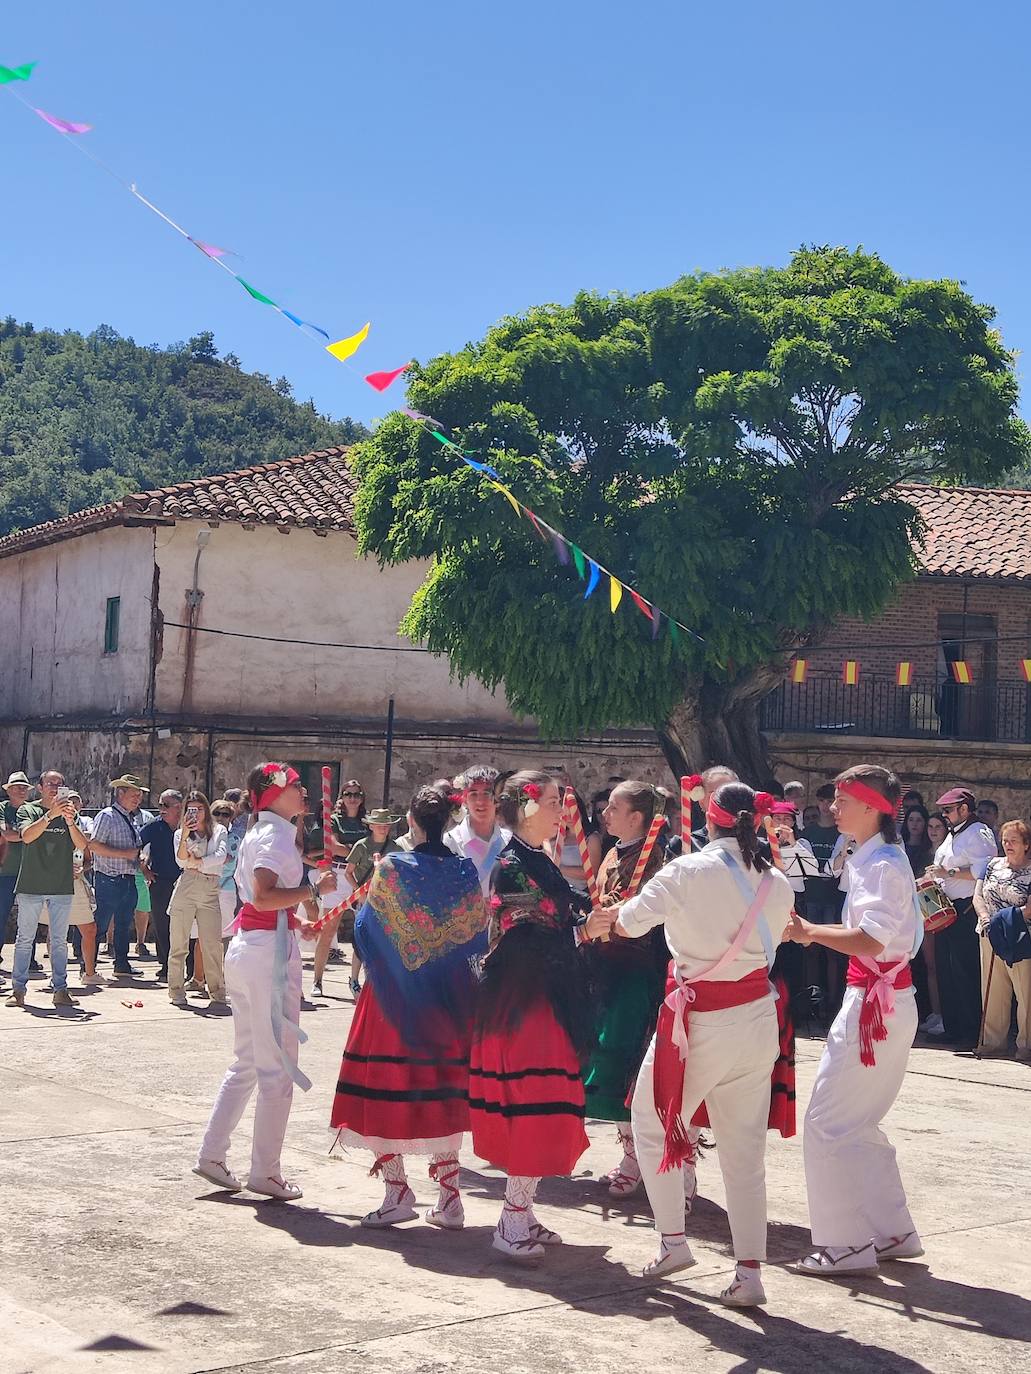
432,168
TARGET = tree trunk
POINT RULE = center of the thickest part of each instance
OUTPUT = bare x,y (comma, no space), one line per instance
719,723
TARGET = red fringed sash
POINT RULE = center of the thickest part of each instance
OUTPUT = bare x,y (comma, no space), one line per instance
248,918
879,982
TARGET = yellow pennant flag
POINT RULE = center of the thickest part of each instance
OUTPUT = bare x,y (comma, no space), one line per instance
508,497
615,591
799,669
343,348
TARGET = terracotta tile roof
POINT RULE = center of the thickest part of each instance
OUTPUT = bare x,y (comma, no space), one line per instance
974,532
313,491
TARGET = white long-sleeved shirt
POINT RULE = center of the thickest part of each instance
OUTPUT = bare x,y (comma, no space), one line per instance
698,900
881,898
214,856
463,840
970,847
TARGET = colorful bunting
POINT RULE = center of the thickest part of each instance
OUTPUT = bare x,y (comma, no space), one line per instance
850,672
303,324
211,250
536,524
63,126
640,603
615,593
22,73
594,578
381,380
961,672
799,669
500,486
1025,666
674,632
343,348
656,621
578,559
561,548
253,291
904,674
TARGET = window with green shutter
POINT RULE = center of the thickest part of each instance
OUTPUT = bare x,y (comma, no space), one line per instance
111,624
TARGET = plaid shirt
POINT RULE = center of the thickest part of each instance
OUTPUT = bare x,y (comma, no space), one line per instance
116,827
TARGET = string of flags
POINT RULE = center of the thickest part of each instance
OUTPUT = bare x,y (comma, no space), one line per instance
959,670
588,569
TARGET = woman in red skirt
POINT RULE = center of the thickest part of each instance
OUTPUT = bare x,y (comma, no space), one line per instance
526,1092
404,1079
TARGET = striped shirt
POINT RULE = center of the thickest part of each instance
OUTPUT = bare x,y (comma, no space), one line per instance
118,828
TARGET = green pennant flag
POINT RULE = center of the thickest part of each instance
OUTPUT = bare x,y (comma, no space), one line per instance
22,73
578,559
258,295
674,632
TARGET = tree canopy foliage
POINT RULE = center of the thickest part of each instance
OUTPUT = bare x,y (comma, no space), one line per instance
87,420
729,445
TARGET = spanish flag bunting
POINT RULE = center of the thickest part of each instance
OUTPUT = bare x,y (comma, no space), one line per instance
1025,664
961,672
343,348
904,675
615,592
850,672
799,668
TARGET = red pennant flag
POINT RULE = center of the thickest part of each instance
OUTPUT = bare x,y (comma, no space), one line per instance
904,675
381,380
961,672
640,603
533,521
850,672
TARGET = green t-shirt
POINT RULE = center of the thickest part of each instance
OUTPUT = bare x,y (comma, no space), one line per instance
46,863
12,853
362,856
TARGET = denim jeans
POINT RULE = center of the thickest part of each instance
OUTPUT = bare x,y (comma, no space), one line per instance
116,901
30,908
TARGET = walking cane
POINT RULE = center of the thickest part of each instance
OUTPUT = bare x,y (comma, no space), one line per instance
984,1009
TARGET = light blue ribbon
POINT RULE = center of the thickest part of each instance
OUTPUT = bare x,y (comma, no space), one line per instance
280,1012
749,897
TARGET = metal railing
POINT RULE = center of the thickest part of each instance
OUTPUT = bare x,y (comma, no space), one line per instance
999,711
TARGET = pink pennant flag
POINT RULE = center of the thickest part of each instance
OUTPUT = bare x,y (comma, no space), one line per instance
212,250
381,380
418,415
63,126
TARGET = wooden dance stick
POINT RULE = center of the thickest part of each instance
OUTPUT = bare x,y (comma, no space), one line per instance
685,814
645,854
575,823
356,897
327,822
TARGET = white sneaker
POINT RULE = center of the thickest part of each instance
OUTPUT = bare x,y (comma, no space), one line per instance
390,1214
178,999
94,980
746,1290
216,1171
523,1251
671,1259
275,1187
899,1247
839,1262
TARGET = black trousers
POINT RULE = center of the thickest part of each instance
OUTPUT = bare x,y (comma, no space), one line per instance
160,896
958,957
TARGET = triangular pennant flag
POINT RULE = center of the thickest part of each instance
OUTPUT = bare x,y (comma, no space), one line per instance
498,486
674,631
533,522
21,73
561,548
850,672
594,578
212,250
343,348
1025,664
301,324
381,380
578,559
961,672
253,291
656,621
799,669
640,603
444,440
904,674
63,126
615,592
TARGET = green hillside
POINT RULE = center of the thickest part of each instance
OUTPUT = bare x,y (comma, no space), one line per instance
85,420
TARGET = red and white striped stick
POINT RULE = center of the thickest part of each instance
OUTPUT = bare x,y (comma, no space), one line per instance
575,823
327,822
356,897
645,854
685,813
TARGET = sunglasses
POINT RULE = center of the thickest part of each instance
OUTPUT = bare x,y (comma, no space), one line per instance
353,796
222,815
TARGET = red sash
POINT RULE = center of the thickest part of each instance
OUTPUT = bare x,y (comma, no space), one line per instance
669,1065
879,982
248,918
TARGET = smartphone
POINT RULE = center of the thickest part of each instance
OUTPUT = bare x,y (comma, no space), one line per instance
63,792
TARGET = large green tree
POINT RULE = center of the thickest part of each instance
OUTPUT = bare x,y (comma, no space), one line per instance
730,445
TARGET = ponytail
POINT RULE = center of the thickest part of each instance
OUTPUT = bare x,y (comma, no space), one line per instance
739,800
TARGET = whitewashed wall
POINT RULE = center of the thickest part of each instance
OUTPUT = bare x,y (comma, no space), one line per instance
52,609
304,587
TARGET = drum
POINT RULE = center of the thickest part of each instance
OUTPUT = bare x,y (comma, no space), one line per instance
936,909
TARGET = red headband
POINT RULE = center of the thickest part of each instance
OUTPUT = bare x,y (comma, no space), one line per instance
762,806
869,795
277,777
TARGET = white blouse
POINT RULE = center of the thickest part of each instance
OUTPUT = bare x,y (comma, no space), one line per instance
698,900
881,898
204,855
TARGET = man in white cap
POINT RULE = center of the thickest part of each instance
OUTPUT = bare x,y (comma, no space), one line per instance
17,788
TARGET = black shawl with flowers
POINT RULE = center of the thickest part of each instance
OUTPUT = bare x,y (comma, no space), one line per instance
532,957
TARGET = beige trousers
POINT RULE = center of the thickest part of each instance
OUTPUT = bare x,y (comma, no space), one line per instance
1007,983
195,898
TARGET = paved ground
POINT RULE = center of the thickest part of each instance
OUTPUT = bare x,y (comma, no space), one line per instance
115,1257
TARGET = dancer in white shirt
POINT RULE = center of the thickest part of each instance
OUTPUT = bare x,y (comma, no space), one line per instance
477,835
857,1205
724,911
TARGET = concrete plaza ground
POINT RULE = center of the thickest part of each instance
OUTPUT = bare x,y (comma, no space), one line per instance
115,1257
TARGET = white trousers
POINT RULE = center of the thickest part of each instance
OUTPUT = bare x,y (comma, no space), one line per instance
257,1062
852,1179
731,1054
